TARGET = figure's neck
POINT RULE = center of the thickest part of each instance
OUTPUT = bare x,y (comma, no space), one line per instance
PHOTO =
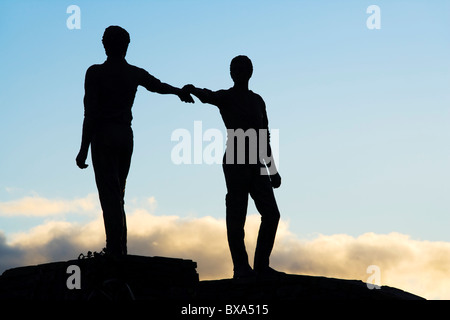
115,59
241,86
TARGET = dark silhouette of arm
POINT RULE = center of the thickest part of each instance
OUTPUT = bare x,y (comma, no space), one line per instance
204,95
275,177
90,101
154,85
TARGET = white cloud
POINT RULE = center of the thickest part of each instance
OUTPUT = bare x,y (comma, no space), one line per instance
40,207
420,267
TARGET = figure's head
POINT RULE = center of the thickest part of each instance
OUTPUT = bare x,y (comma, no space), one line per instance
241,69
115,40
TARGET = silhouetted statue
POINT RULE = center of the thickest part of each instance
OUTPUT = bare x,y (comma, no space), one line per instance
244,115
110,90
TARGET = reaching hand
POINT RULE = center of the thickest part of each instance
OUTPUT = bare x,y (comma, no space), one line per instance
188,88
275,180
185,96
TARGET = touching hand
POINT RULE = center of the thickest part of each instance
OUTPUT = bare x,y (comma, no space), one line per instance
188,88
275,180
185,96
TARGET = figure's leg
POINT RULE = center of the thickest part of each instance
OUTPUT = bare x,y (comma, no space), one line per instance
236,211
262,193
124,168
105,159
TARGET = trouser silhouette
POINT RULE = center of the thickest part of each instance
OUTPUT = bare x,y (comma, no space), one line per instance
111,149
242,180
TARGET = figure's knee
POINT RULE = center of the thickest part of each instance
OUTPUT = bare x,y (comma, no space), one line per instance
271,216
236,202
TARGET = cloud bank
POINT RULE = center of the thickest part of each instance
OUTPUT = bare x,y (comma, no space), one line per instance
420,267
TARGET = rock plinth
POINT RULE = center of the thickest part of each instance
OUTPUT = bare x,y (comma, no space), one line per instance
168,279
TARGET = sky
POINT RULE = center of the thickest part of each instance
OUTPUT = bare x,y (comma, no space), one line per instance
361,113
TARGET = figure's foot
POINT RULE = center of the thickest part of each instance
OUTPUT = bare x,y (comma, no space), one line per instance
269,273
112,255
244,273
94,254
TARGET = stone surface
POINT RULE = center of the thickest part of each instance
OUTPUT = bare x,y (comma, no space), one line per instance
168,279
103,278
297,287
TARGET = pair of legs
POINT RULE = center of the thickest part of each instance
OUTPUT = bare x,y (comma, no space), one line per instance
111,149
241,181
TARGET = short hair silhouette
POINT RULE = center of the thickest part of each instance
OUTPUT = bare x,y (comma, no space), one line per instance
115,41
241,68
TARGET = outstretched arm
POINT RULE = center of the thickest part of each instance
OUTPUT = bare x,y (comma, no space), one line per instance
155,85
165,88
205,95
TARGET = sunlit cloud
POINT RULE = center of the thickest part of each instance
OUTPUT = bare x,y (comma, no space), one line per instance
420,267
36,206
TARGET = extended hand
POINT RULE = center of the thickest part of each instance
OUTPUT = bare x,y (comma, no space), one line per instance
275,180
188,88
185,96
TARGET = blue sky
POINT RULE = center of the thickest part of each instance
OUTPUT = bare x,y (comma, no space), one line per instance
362,114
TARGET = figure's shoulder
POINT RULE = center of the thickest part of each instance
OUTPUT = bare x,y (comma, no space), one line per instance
224,92
136,69
257,97
93,71
94,68
140,73
219,94
224,95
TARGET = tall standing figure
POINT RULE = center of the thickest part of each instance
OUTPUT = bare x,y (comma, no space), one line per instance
247,156
110,90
